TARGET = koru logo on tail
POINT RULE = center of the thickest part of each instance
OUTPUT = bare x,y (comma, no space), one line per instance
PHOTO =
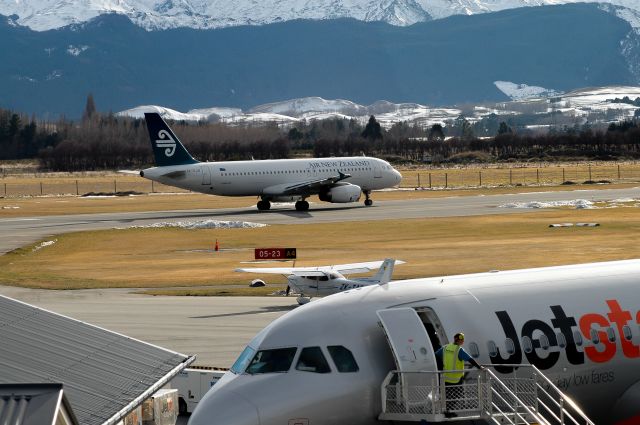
166,141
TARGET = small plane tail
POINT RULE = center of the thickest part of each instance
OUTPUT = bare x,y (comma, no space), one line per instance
385,271
167,148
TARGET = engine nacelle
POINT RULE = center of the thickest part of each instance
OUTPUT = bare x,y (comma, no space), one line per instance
341,194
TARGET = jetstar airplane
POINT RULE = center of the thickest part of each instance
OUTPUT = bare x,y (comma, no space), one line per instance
337,180
578,324
326,280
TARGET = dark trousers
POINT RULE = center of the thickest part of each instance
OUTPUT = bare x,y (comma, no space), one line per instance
454,394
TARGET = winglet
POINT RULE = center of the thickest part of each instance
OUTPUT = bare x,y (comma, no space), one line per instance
167,148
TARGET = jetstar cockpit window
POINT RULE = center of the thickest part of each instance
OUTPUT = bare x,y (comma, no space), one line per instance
343,359
245,357
270,361
312,360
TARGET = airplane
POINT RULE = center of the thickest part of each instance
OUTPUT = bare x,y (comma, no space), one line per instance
578,324
326,280
336,180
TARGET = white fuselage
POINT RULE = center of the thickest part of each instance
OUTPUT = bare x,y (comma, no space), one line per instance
587,315
320,286
270,177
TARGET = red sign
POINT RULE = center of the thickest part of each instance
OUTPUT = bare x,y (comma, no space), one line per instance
275,253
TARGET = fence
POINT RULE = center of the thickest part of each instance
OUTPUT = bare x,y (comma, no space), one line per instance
519,176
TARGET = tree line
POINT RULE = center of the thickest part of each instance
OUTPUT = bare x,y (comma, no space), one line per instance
101,141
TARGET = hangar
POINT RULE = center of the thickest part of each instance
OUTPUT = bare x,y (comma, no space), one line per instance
104,374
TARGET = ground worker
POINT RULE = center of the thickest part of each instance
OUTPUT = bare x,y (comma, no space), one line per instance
453,357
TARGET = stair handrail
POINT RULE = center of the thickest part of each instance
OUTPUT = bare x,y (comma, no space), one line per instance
541,420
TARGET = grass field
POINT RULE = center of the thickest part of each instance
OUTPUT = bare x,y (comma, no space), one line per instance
170,258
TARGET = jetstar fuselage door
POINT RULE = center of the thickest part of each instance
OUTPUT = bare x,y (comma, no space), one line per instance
408,339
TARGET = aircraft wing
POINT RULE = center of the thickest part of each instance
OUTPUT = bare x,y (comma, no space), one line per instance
360,267
297,271
305,187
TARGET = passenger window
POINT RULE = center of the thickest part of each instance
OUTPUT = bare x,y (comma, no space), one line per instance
527,345
611,334
473,350
595,338
493,350
511,348
312,360
562,341
269,361
343,359
577,338
626,330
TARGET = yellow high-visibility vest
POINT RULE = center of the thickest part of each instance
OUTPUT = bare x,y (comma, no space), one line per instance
451,362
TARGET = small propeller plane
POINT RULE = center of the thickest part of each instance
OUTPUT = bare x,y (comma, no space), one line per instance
310,282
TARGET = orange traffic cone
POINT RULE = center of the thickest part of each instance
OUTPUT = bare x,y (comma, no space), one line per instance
217,247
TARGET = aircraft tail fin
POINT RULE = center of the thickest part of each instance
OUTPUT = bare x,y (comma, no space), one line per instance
385,271
167,148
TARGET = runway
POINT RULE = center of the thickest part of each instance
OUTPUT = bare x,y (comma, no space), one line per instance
216,329
17,232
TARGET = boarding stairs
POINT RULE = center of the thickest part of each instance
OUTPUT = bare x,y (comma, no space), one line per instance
524,396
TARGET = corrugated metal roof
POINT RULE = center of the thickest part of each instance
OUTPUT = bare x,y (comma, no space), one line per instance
102,371
34,404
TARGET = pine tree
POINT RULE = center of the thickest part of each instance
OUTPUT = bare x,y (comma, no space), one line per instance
89,109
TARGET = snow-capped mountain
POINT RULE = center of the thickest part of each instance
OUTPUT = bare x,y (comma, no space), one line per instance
593,105
42,15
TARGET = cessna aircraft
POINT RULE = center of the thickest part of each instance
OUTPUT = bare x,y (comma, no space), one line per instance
578,324
337,180
325,280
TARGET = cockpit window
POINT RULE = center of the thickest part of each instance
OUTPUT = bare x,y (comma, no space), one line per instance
269,361
343,359
312,360
240,365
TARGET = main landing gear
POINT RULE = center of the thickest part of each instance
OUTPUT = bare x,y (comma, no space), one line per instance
368,202
302,206
264,205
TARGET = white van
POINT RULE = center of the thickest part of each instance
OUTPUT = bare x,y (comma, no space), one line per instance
192,384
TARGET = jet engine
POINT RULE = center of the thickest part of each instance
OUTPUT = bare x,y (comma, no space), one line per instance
341,193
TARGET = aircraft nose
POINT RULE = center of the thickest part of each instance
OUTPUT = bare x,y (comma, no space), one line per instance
397,176
228,407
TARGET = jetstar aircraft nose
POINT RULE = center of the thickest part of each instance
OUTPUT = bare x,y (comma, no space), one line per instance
226,407
397,176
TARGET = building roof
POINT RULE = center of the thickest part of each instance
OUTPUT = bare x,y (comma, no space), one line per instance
105,374
35,404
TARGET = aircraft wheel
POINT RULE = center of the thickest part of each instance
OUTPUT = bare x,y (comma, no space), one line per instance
264,205
302,206
368,202
303,300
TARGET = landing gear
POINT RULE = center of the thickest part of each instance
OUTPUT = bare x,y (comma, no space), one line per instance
368,202
264,205
302,206
303,300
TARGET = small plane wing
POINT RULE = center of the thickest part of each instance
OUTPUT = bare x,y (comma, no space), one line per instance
319,271
304,187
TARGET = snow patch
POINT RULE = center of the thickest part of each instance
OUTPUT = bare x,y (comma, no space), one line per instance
203,224
76,50
43,244
577,204
523,91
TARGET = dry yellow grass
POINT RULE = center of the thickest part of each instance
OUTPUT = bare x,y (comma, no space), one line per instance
184,258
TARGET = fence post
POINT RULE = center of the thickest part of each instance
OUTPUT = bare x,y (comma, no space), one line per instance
77,191
510,176
419,180
446,180
618,171
5,189
40,188
563,179
429,180
115,187
480,177
538,175
589,172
